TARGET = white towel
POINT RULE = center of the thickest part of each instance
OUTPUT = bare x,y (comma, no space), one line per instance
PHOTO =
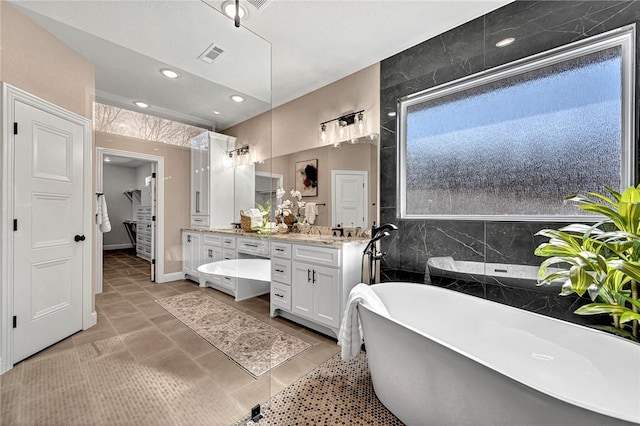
102,216
350,335
310,212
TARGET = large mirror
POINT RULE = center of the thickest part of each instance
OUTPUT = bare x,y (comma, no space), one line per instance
346,187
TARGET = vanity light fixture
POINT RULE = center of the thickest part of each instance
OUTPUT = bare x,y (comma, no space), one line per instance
505,42
141,104
343,127
243,150
237,98
170,73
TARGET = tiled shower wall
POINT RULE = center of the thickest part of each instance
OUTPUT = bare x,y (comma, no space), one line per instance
469,49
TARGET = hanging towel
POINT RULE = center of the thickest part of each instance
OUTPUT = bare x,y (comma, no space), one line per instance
310,212
102,216
350,334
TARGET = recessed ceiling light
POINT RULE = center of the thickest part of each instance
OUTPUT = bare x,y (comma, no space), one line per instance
141,104
107,159
391,114
170,73
216,112
237,98
229,8
505,42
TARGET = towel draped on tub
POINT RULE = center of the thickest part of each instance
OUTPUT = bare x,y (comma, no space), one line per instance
350,335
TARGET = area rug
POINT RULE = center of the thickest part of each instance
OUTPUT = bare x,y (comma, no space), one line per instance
252,344
335,393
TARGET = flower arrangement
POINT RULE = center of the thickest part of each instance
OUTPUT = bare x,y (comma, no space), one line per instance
285,207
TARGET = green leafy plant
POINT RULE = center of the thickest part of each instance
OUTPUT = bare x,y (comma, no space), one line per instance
603,259
266,216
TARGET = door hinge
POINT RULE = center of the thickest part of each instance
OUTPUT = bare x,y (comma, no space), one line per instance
15,224
153,218
15,128
15,321
153,175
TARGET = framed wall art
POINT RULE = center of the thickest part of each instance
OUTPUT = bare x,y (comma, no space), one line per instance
307,177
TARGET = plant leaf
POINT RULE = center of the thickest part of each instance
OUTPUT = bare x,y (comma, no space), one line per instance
618,331
600,308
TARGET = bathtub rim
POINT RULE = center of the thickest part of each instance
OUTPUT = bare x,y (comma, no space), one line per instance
626,416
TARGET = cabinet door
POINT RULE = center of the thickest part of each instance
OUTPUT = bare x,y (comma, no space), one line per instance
196,181
211,253
326,295
302,290
191,255
205,179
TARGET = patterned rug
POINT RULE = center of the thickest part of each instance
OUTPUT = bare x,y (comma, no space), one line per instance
252,344
335,393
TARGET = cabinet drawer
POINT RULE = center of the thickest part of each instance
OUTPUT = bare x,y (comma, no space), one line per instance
254,246
229,282
229,254
281,296
281,271
229,242
212,239
318,255
199,220
282,250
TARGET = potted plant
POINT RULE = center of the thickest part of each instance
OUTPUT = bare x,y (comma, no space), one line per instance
603,258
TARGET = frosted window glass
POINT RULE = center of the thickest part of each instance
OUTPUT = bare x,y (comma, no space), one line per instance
517,146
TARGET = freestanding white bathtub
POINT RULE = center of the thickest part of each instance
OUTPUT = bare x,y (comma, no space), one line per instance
445,357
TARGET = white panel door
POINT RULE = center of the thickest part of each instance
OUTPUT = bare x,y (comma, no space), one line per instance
349,198
47,292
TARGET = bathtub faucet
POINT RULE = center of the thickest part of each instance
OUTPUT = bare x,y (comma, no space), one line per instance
371,250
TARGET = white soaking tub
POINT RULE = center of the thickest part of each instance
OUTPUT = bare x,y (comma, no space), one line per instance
444,357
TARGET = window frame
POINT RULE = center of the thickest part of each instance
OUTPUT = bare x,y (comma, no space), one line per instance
623,37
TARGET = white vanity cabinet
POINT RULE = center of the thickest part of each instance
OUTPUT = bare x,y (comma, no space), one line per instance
191,254
310,283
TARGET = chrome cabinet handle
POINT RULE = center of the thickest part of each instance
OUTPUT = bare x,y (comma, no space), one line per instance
227,278
188,238
278,295
197,201
314,276
279,249
210,253
280,270
308,275
250,245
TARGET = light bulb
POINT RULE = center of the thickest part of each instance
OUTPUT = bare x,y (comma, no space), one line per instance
323,133
342,130
361,128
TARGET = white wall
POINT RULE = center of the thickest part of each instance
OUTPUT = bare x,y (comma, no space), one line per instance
116,180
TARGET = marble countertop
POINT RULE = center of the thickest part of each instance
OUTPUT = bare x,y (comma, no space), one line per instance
326,239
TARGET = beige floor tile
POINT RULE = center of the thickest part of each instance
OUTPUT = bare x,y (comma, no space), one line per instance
85,338
260,390
132,322
192,344
125,290
62,345
175,362
151,309
105,298
118,309
139,297
146,342
171,326
292,370
226,372
321,352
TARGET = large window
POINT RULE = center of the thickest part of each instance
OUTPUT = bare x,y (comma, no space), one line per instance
512,142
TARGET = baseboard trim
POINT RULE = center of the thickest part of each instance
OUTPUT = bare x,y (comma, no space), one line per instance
174,276
93,320
117,246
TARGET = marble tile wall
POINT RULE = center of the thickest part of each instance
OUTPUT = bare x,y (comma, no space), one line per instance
464,50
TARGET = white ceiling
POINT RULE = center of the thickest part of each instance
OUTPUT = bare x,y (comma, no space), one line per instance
285,50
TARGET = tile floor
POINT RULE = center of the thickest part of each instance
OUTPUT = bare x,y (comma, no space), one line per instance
139,365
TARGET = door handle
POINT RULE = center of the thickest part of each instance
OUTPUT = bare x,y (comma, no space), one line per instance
197,201
314,276
79,238
308,275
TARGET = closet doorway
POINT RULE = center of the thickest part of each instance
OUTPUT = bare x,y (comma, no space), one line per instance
130,185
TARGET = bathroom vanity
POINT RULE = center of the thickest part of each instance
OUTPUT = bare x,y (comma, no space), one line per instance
310,278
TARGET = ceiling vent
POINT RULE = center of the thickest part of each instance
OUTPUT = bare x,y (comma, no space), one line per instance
258,4
211,53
